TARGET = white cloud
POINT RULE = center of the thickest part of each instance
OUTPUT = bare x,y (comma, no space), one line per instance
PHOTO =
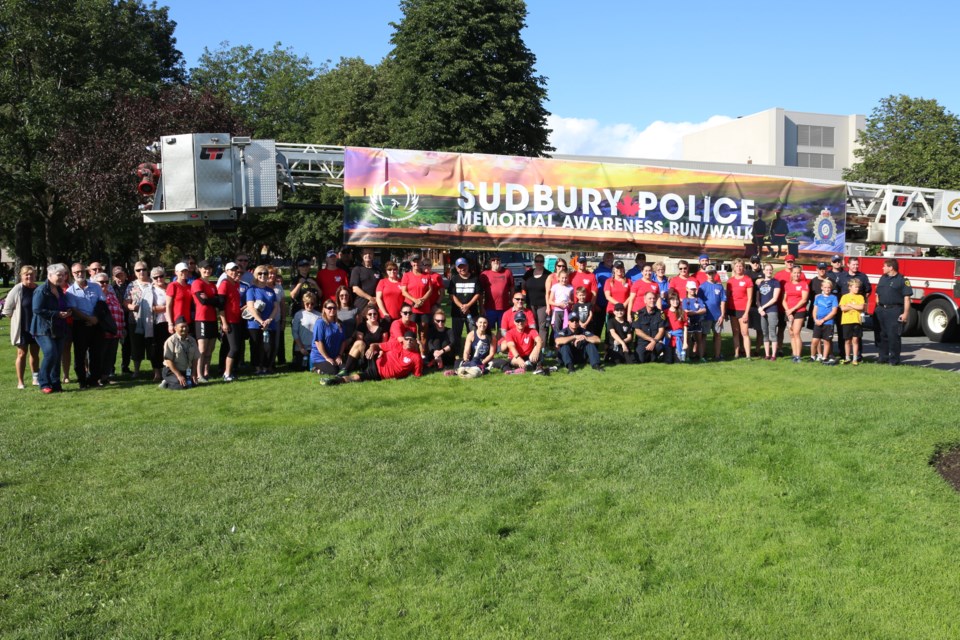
660,140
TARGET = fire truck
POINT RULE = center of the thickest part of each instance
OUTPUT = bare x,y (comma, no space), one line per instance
215,178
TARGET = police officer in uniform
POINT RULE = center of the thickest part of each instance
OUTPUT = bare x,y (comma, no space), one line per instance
650,327
893,305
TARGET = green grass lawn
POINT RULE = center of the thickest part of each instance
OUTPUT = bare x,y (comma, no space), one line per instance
732,500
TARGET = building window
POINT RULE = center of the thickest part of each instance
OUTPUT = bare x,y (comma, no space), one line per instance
813,136
815,160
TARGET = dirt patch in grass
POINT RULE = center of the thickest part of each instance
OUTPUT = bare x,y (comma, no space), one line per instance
947,464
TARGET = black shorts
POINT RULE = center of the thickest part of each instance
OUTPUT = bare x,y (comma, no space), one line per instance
371,372
420,318
736,314
852,330
823,332
798,315
206,330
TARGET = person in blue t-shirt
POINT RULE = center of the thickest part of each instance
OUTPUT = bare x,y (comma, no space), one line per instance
696,311
262,311
825,308
326,353
714,297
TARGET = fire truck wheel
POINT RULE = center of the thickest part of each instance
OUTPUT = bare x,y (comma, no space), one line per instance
939,321
912,326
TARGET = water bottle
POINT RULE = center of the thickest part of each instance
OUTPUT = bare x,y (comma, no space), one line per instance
471,325
189,377
266,336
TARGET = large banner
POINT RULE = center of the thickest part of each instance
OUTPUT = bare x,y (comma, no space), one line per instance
471,201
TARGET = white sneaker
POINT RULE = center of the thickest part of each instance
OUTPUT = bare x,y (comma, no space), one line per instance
162,385
36,379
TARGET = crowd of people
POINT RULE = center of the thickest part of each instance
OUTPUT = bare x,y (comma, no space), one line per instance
357,322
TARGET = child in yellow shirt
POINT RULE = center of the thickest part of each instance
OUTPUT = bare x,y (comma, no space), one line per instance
851,304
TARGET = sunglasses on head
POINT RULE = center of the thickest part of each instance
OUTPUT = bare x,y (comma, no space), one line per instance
329,307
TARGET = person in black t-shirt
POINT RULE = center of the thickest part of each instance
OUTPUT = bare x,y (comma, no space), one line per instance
440,352
464,291
620,333
364,279
535,290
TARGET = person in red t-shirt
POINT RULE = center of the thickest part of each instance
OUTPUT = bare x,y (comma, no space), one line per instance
616,288
231,322
205,318
389,296
404,324
179,297
417,288
679,281
497,286
388,360
436,285
506,321
524,345
795,295
739,299
331,278
701,275
783,277
639,289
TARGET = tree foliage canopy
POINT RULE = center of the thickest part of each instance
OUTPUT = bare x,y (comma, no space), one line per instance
61,63
270,90
909,141
460,78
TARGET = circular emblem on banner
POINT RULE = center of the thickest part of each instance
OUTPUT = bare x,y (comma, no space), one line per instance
826,230
953,209
394,200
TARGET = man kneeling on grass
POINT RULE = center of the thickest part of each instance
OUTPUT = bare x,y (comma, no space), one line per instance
524,346
180,353
577,345
388,360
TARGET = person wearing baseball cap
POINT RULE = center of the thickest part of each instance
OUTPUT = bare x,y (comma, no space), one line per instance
577,345
180,353
695,310
179,296
524,346
387,360
331,277
463,289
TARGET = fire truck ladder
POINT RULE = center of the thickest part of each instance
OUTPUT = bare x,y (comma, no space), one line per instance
895,214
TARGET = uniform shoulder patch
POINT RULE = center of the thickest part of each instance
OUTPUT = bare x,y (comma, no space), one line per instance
906,282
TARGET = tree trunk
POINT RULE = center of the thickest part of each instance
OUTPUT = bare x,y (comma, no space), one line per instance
23,243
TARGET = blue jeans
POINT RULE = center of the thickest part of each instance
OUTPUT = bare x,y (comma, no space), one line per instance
49,374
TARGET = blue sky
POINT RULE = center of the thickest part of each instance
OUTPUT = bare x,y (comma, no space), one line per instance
631,77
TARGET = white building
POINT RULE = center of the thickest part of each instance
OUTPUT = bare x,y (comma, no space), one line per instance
779,138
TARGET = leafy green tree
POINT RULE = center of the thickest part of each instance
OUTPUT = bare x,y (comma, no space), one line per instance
460,78
61,62
346,107
908,141
270,90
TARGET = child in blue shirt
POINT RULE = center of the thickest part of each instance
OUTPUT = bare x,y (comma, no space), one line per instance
825,308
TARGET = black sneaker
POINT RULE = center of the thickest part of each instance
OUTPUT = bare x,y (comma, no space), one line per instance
598,368
570,369
329,382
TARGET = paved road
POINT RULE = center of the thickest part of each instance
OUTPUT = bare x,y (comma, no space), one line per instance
916,351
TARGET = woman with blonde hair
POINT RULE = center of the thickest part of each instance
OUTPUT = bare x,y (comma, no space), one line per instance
19,308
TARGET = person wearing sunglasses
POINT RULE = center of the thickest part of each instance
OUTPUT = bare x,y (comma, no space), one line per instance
82,297
329,341
370,331
387,361
389,295
404,324
508,322
440,343
262,312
